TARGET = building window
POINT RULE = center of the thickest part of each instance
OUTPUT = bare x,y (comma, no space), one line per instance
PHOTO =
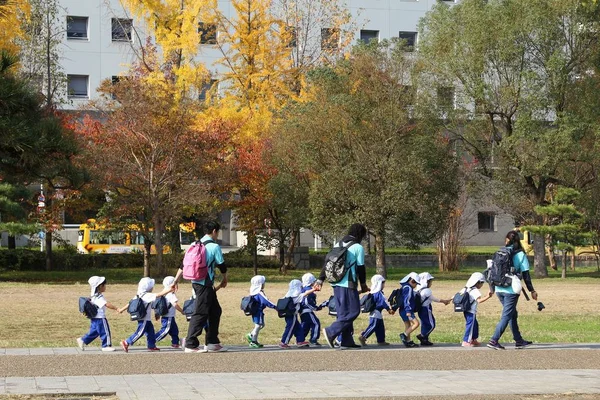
445,97
78,86
77,27
206,87
366,36
409,39
486,221
330,38
122,29
208,33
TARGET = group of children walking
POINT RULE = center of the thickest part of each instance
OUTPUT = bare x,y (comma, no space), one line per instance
413,299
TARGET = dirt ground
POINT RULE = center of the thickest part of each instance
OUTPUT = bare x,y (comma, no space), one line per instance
38,315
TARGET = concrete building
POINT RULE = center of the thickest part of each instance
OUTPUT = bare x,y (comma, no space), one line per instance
100,43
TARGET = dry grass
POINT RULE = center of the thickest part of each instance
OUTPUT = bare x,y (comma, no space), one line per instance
38,315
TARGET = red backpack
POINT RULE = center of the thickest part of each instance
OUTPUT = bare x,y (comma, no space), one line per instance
195,267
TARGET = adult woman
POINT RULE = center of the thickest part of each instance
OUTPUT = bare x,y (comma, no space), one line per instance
509,299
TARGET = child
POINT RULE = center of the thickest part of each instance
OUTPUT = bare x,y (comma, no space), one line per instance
376,319
309,323
145,325
257,284
407,302
98,324
292,326
168,323
471,335
426,311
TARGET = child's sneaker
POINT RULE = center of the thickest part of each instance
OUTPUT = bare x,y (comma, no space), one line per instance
522,343
283,345
80,343
125,346
108,349
302,344
153,349
492,344
404,339
215,348
249,338
175,346
411,344
315,344
362,340
475,343
467,344
255,345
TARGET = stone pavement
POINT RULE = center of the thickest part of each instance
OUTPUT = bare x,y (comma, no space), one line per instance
467,375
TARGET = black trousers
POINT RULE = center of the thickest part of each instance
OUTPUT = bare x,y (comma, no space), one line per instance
208,310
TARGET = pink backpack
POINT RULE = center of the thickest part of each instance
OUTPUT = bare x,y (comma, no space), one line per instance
195,267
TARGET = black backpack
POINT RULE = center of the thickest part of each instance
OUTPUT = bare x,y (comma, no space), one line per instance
418,302
461,301
367,303
87,308
137,309
335,263
502,265
285,307
332,306
161,306
189,306
393,299
248,305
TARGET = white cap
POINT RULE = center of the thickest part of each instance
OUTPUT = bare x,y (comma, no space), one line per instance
376,283
308,279
256,284
145,285
475,278
168,281
413,275
94,282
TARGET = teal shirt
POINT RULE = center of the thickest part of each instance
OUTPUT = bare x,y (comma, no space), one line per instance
521,264
355,255
214,256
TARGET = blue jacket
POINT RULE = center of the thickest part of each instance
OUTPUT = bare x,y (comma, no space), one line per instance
309,303
263,303
380,301
408,298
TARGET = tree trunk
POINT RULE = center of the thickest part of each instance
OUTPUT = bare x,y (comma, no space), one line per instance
564,265
380,253
282,258
48,240
551,257
289,262
539,252
158,244
255,255
448,245
12,242
573,260
147,246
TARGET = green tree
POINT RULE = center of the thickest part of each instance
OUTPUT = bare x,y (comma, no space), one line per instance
507,85
367,159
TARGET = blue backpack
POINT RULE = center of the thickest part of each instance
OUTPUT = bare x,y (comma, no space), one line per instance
87,308
189,306
137,309
367,303
248,305
285,307
462,301
161,306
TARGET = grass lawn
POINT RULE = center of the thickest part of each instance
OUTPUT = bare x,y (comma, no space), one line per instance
34,314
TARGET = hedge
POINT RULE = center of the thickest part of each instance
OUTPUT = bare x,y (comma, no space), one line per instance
32,260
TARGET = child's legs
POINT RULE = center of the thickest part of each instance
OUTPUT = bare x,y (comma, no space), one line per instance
469,325
475,327
410,326
427,322
256,331
141,328
380,331
150,335
104,331
298,331
315,329
93,332
174,331
259,323
165,328
370,328
290,327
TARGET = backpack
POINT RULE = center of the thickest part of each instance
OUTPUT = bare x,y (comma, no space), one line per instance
332,306
335,263
418,302
285,307
462,301
137,309
249,305
189,306
87,308
499,274
367,303
195,267
394,297
161,306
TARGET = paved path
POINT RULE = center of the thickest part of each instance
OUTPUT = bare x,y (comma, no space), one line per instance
571,370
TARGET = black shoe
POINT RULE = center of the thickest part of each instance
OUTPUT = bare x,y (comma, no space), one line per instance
492,344
403,338
411,344
522,344
350,346
421,338
426,342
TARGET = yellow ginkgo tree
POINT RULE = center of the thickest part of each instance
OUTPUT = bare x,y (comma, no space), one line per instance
12,13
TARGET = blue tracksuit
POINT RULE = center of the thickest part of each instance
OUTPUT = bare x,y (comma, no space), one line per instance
98,327
259,316
144,327
292,328
168,327
376,321
408,302
309,323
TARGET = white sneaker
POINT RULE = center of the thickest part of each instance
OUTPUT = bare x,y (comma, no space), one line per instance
108,349
80,343
214,348
196,350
